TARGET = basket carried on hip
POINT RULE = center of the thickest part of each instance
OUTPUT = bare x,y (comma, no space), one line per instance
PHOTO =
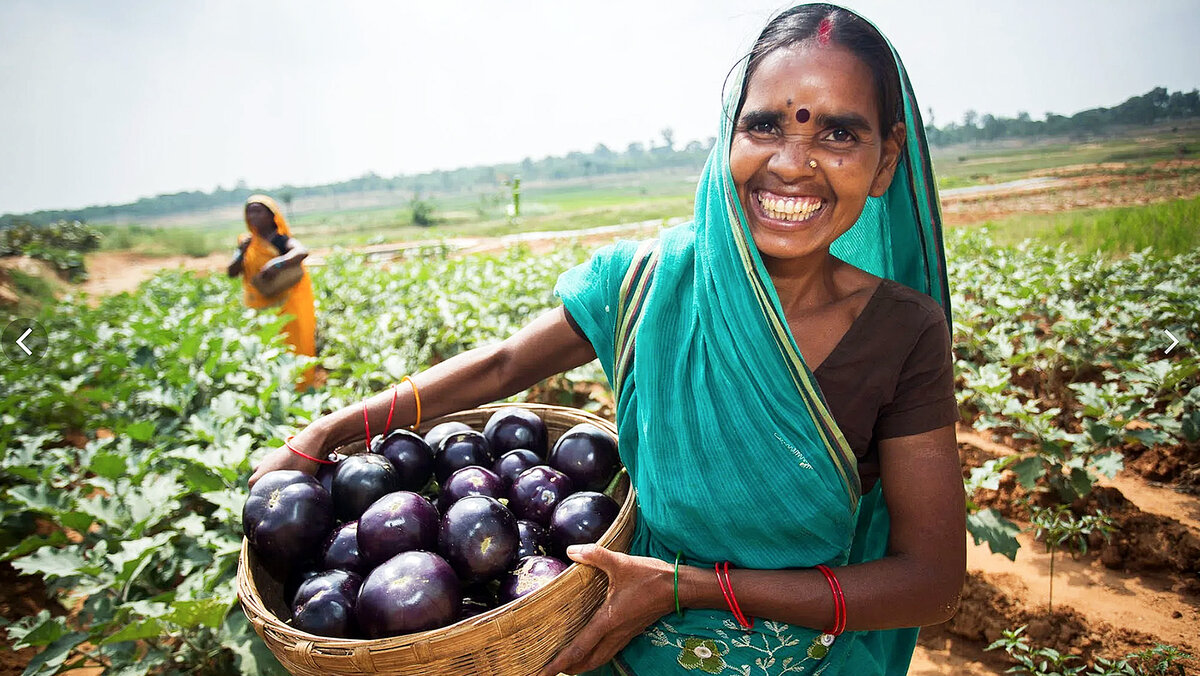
515,639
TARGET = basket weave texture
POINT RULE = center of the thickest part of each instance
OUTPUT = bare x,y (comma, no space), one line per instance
516,639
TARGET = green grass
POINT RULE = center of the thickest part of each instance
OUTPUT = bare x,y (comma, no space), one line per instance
563,207
33,292
1168,228
961,166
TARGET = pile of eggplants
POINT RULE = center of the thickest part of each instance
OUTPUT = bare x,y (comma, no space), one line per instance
421,532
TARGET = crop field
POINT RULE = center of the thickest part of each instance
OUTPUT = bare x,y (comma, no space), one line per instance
126,448
129,445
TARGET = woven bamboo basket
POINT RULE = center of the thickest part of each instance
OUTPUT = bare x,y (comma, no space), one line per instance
516,639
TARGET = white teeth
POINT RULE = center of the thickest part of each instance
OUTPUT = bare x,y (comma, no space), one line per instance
790,209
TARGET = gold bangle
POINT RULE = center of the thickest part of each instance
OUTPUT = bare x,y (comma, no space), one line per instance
417,396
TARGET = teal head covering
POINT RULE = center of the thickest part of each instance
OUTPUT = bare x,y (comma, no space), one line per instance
723,428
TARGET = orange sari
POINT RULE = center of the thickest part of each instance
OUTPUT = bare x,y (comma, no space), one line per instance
298,301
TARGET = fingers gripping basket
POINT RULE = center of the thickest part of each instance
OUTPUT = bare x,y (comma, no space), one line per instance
513,640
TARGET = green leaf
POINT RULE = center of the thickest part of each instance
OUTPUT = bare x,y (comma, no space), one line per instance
1028,471
1000,533
1108,464
133,552
141,431
1081,481
203,612
37,631
110,465
51,563
140,629
34,543
78,521
51,659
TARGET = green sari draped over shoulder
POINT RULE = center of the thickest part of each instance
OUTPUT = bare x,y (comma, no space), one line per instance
723,428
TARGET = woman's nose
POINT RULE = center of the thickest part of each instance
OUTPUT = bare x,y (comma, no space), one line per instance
790,160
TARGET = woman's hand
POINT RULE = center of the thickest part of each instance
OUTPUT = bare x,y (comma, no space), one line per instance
640,590
282,458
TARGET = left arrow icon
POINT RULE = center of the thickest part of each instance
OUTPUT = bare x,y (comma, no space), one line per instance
23,341
23,337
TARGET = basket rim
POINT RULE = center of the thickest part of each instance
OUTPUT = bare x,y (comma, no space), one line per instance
263,619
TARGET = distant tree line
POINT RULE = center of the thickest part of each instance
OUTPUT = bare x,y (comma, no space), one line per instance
1154,107
600,161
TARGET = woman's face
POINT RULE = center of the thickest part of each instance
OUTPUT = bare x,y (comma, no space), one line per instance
808,103
260,219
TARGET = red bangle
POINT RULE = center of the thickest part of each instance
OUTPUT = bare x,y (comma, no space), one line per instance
391,409
839,601
731,600
288,442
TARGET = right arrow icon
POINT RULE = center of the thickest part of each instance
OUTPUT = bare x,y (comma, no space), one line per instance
1174,340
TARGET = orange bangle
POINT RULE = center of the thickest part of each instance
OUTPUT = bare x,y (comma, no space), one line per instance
417,396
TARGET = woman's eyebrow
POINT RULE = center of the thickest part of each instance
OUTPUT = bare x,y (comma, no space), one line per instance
756,117
847,120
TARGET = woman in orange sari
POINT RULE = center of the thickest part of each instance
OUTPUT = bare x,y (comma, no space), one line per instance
268,250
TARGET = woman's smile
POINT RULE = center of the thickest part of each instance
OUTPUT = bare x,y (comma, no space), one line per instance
787,212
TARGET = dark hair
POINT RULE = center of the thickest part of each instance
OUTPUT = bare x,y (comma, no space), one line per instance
842,27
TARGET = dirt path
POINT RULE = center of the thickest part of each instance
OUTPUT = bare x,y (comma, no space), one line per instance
1108,612
111,272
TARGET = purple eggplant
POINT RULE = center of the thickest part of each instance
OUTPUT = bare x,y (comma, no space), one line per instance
581,519
478,537
513,427
439,432
324,604
410,456
361,480
471,480
341,550
510,465
588,455
531,574
537,491
287,517
410,592
397,522
459,450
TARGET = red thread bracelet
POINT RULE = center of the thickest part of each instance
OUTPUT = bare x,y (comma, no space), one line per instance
727,590
392,408
288,443
839,600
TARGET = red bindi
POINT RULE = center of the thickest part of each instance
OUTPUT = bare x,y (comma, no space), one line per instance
824,31
802,115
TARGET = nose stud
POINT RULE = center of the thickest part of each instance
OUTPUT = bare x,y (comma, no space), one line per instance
812,163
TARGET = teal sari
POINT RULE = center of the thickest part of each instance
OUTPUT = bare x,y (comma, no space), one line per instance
723,428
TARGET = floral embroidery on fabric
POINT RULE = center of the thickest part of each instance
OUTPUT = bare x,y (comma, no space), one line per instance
770,652
698,653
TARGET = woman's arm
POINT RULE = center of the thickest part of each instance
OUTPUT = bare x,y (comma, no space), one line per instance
293,253
917,583
547,346
235,266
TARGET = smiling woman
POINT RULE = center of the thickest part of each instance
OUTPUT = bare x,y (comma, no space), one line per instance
783,378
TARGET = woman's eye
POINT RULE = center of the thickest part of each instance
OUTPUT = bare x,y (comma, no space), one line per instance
761,128
840,136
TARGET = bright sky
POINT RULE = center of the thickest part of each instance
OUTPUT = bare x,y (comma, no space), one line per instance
106,102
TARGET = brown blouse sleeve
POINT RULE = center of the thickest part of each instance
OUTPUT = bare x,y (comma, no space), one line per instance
924,397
